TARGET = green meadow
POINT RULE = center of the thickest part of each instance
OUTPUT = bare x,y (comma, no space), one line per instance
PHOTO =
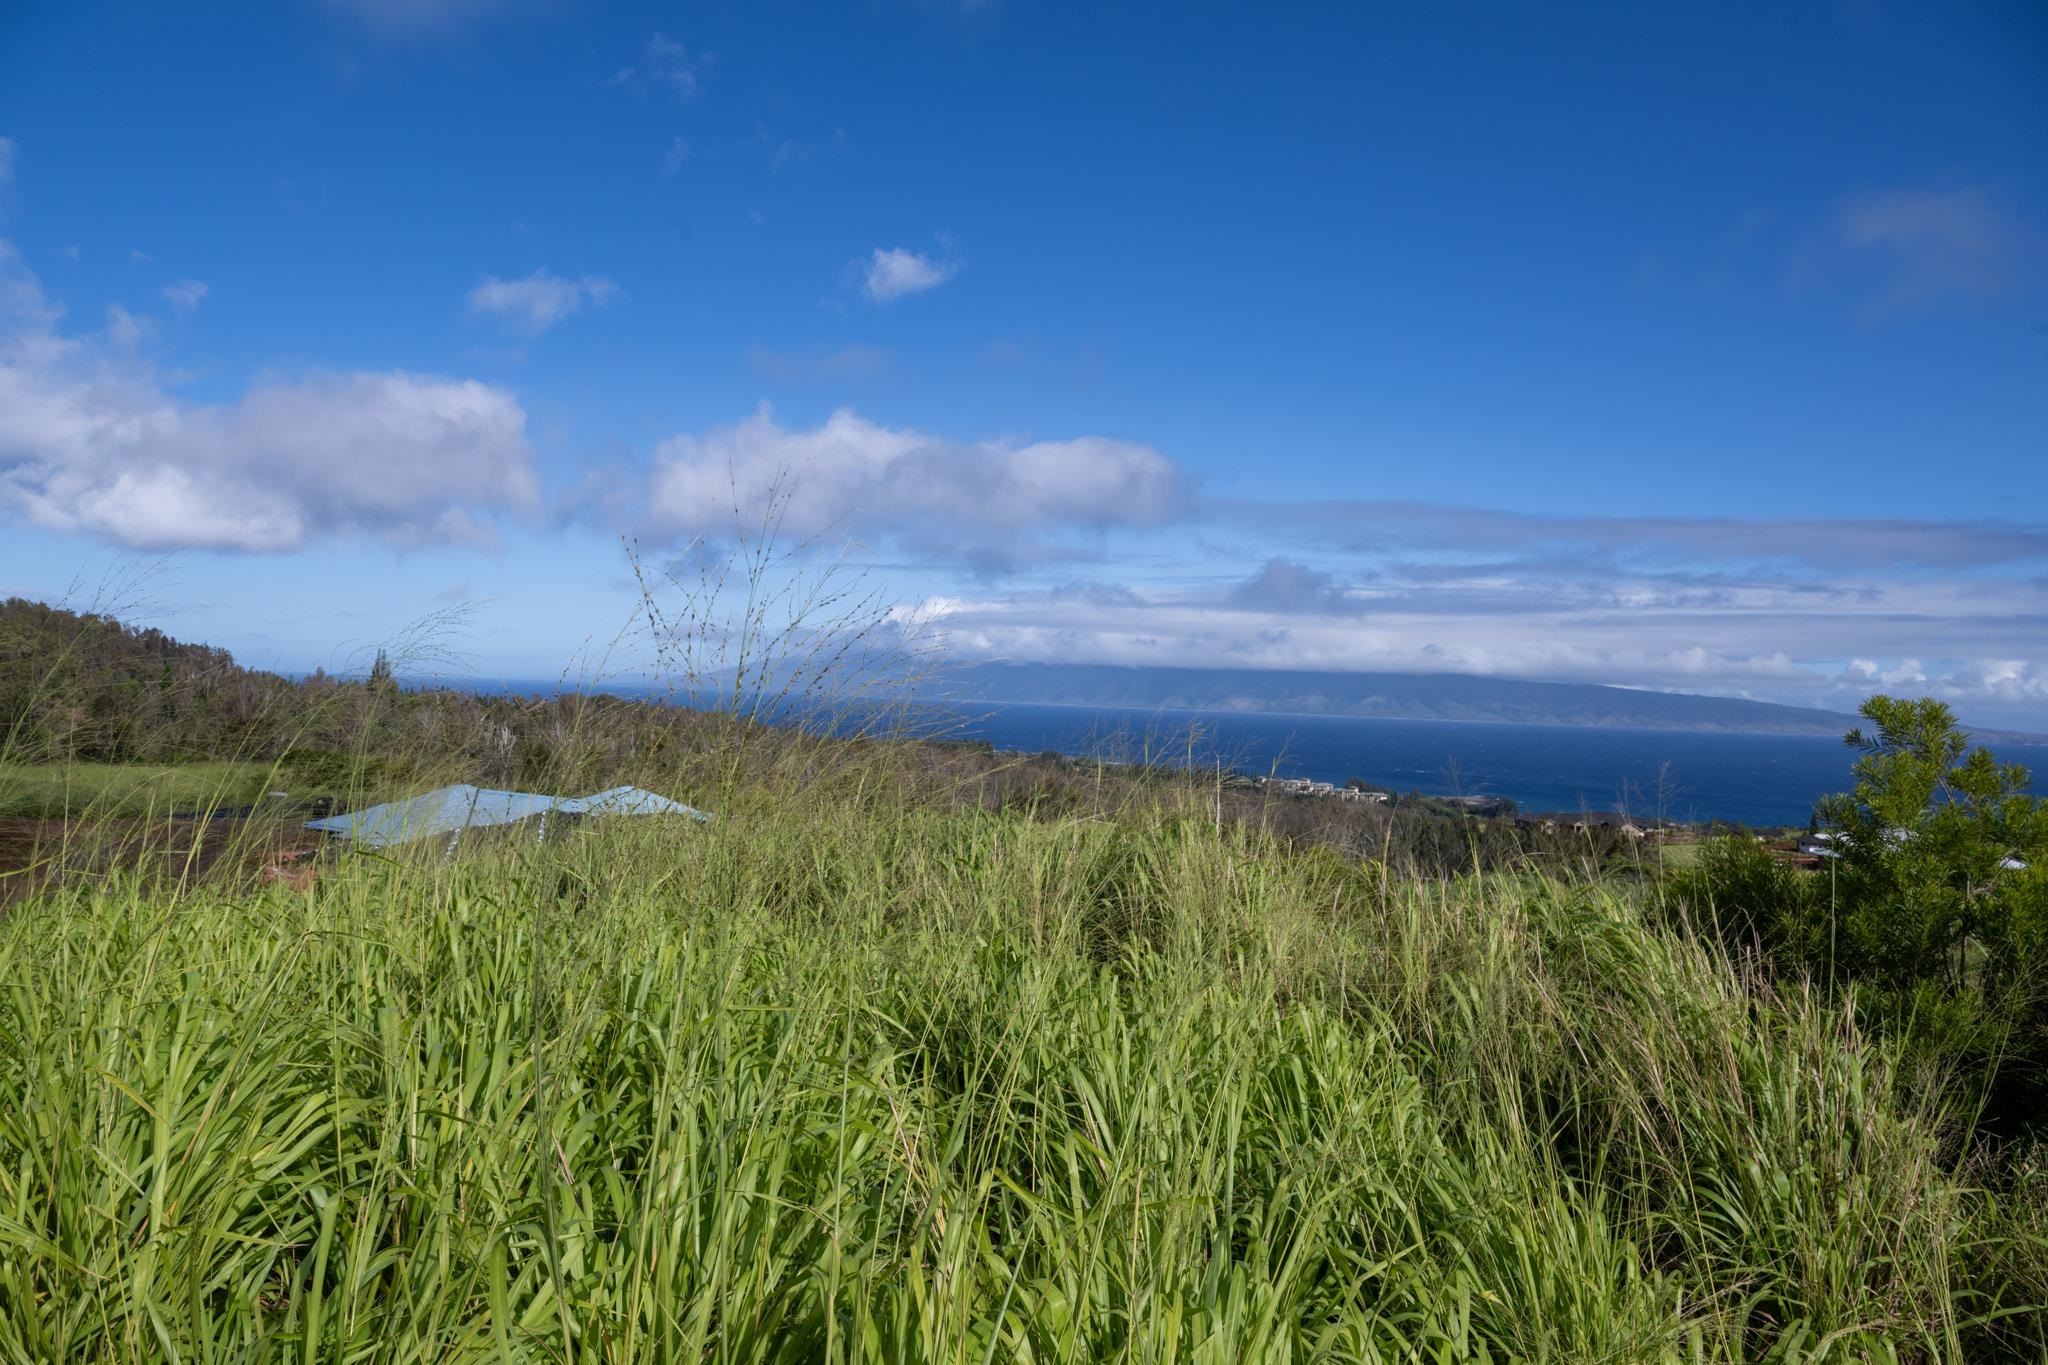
851,1076
126,790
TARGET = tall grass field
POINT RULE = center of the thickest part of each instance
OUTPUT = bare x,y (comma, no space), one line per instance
840,1077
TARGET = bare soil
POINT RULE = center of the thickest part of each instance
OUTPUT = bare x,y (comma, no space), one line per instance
38,854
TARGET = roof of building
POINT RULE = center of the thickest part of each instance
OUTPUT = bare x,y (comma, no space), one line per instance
448,810
634,801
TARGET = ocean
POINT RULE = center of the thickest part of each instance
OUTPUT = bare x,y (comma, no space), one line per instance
1752,779
1689,775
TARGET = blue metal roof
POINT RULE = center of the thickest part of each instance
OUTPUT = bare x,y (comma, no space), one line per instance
449,810
635,801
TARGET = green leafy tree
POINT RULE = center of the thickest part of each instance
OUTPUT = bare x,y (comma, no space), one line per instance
1933,915
1936,916
1942,850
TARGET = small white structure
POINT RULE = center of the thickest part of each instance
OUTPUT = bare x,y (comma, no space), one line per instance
1822,845
451,810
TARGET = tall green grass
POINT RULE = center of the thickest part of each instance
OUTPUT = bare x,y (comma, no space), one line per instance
842,1078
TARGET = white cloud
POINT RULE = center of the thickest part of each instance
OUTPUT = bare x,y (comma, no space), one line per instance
1936,245
892,273
985,498
2009,681
184,293
7,154
531,305
91,442
672,160
1870,674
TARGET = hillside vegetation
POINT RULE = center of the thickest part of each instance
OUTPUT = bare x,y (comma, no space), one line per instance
101,719
918,1052
77,687
831,1079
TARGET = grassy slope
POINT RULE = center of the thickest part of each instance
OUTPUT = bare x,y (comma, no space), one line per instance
121,790
835,1078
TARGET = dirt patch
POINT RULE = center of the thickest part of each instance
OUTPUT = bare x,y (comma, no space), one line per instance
38,854
22,856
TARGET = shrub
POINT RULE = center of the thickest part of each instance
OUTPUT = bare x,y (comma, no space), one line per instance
1935,915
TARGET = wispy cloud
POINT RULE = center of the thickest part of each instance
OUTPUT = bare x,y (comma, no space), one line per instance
531,305
185,294
1283,586
7,156
92,441
1931,247
1953,640
672,160
675,66
416,18
1805,611
1833,544
894,272
667,65
125,331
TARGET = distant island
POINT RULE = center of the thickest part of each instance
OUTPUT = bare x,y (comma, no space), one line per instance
1391,696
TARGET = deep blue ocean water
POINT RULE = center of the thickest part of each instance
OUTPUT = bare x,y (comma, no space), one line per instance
1752,779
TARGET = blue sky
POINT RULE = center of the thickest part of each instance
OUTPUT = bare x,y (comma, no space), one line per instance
1687,347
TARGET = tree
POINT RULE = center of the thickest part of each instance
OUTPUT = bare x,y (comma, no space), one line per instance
1940,846
1937,915
1934,916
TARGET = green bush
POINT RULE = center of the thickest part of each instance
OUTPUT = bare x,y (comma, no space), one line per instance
1935,915
1753,901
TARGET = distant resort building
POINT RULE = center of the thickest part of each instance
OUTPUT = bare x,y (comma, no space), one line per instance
1308,786
1825,844
1583,822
